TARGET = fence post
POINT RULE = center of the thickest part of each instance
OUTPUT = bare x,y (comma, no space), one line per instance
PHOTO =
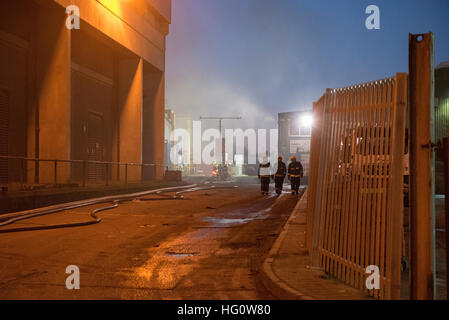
421,217
318,224
318,114
396,219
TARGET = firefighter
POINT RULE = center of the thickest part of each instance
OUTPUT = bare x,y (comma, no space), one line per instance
295,172
280,171
264,175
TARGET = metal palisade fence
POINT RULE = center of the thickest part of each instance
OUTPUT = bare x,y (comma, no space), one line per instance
355,217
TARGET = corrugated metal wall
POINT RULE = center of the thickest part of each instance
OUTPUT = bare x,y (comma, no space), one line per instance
441,103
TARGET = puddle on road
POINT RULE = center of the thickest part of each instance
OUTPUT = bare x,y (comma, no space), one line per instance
227,221
179,255
258,215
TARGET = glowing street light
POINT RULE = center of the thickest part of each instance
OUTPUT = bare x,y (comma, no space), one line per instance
306,121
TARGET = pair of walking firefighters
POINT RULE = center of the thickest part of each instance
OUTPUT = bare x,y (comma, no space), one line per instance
294,172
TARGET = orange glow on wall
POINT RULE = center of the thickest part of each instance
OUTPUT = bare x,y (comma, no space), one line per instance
112,5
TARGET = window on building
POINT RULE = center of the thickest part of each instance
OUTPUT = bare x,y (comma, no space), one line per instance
296,130
305,131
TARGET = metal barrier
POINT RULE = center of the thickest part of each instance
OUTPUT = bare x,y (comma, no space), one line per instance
356,189
77,171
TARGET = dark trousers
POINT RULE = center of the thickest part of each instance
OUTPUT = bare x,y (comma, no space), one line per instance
295,181
278,183
264,183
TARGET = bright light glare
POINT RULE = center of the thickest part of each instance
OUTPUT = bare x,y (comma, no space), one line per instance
306,121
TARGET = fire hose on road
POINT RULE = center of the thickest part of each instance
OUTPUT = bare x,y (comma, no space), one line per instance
9,219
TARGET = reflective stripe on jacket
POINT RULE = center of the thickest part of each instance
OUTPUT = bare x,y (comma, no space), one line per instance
295,169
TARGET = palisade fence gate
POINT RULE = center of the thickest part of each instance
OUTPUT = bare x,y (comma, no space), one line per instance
356,189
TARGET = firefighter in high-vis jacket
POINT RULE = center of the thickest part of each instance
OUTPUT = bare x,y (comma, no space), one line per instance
295,172
280,171
265,175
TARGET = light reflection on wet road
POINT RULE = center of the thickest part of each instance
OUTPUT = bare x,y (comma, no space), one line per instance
208,246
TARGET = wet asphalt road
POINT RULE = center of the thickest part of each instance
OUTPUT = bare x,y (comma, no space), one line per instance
208,246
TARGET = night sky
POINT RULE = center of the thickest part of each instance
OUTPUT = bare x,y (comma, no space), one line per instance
255,58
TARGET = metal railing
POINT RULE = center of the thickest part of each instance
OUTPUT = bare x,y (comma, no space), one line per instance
356,214
22,173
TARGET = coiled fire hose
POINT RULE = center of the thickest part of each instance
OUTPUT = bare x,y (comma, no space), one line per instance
116,200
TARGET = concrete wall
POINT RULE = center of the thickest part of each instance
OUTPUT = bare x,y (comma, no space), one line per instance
113,67
125,23
130,86
92,76
163,7
153,121
53,56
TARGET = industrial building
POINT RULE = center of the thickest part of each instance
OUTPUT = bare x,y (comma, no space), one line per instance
295,131
169,143
95,93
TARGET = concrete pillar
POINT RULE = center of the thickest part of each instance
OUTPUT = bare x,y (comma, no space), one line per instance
53,91
130,104
153,122
32,107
